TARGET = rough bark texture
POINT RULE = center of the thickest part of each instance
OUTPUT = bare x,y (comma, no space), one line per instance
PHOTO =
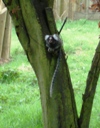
91,83
33,20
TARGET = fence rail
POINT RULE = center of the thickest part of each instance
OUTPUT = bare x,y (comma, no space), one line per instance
74,9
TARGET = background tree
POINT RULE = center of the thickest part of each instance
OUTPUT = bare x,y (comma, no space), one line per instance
33,20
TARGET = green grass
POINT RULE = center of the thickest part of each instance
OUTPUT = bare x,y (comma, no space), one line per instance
80,42
19,92
20,105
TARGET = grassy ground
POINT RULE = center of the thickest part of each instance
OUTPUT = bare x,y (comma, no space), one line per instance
19,93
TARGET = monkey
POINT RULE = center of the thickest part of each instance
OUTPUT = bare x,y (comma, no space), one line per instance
54,44
55,72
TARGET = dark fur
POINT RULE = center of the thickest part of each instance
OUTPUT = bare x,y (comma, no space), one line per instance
54,43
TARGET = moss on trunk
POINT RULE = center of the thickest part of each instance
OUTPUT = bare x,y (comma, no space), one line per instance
32,24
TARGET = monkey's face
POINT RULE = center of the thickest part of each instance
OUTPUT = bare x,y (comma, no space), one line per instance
52,42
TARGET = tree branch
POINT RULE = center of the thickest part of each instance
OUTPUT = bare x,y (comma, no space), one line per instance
90,90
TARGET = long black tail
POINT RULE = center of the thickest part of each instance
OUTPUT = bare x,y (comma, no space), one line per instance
55,73
62,26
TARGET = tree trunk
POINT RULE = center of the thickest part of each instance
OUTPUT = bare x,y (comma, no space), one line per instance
91,83
33,20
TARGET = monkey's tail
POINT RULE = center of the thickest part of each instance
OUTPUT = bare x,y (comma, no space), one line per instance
55,73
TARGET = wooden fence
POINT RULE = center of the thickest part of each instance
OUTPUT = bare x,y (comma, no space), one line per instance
74,9
5,34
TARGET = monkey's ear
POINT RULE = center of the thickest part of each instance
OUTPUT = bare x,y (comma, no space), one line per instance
56,37
46,37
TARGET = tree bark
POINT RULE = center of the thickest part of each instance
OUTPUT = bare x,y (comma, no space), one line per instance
91,84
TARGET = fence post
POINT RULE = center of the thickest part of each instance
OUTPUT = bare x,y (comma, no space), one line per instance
5,33
60,9
3,14
7,39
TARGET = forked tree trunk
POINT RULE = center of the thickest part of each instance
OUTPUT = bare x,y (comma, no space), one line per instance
33,20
